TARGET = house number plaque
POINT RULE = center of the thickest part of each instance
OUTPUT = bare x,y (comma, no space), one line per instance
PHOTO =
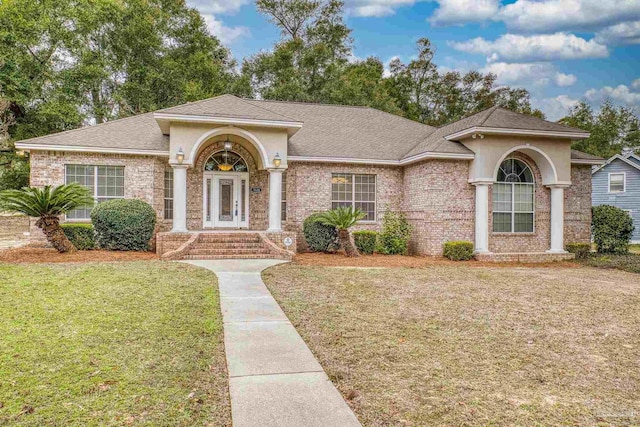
256,190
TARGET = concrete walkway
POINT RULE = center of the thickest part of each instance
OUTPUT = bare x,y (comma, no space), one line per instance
274,379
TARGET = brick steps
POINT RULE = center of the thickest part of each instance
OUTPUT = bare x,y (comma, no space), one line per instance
212,257
209,246
228,251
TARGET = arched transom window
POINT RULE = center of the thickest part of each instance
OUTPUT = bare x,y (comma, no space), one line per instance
225,161
513,198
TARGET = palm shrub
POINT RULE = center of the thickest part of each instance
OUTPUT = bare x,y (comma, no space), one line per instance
343,218
47,204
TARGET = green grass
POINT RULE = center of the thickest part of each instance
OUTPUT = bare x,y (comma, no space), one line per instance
634,249
135,343
629,262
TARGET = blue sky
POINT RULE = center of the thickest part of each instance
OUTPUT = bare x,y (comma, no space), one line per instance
560,50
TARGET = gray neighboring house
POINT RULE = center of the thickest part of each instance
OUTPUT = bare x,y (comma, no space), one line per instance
617,183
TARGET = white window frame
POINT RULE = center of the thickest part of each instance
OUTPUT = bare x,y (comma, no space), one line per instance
513,204
353,194
165,198
624,182
94,194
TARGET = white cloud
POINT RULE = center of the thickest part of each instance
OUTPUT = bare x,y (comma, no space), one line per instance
636,84
212,7
537,73
624,33
227,35
458,12
564,15
555,108
547,47
375,8
564,80
621,94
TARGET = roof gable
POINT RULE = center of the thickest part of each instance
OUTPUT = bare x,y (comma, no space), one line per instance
620,158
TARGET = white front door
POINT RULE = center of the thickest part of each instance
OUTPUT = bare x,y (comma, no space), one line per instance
226,200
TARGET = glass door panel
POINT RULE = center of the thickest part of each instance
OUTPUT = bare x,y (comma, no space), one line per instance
225,194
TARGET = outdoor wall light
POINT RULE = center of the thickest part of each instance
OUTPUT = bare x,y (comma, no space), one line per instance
277,160
180,156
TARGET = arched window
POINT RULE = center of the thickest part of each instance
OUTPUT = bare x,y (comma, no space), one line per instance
513,198
225,161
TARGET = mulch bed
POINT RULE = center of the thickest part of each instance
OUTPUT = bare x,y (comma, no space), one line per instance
400,261
50,255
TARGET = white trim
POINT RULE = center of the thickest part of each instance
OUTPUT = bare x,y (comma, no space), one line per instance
587,161
231,131
48,147
624,182
525,147
508,131
412,159
190,118
616,157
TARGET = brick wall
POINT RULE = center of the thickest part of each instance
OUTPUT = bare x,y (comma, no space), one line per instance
309,191
439,203
577,206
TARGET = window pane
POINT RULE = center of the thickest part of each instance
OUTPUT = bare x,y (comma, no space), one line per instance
368,208
523,197
83,175
523,223
502,197
110,181
335,205
341,187
616,182
501,222
168,194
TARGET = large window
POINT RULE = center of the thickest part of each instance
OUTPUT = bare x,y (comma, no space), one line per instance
513,198
104,182
616,182
283,212
168,194
358,191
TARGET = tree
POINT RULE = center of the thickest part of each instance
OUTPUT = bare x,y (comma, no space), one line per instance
613,129
436,98
343,218
14,169
47,204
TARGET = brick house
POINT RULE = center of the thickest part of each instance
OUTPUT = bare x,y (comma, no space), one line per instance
227,173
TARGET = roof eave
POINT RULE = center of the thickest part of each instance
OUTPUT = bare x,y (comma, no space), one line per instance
164,119
473,131
611,159
25,146
387,162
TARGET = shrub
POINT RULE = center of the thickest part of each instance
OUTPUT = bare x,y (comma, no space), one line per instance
581,250
458,250
396,231
319,237
124,224
82,236
366,241
612,229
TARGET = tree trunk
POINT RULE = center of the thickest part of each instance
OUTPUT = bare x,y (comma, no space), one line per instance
50,226
347,243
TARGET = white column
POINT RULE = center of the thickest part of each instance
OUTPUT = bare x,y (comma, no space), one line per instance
275,199
179,198
482,217
557,219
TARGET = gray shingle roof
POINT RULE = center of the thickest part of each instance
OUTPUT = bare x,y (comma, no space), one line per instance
227,106
327,130
139,132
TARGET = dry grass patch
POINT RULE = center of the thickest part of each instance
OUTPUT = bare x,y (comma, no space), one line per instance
453,345
38,255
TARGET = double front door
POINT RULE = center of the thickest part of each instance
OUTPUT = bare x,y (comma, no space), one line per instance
226,200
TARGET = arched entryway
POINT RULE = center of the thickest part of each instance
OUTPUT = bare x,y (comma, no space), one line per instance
225,186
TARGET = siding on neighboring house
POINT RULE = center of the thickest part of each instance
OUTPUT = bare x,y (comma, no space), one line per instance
628,200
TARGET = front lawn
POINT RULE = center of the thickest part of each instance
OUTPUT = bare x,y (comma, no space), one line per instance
136,343
459,345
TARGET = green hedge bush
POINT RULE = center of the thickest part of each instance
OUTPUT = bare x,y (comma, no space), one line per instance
458,250
366,241
81,235
612,229
395,235
124,224
319,237
582,250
